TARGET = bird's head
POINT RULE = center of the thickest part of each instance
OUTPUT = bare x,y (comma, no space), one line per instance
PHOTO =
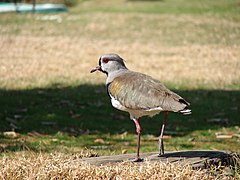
109,63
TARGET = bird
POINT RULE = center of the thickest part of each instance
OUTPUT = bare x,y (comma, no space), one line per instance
139,95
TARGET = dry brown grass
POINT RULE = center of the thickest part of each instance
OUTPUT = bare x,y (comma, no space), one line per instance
45,59
29,165
34,57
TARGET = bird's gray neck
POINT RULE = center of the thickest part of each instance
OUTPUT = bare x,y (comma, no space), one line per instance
114,74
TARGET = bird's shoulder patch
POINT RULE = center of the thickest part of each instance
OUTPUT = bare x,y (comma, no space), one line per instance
114,87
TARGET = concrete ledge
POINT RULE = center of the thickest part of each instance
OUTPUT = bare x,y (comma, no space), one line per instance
196,158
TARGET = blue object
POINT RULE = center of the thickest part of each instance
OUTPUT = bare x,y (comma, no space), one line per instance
24,8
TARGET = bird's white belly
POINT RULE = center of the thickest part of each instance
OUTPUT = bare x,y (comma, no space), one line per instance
117,104
140,113
135,113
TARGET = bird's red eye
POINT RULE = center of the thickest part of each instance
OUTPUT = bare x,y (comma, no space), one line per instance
105,60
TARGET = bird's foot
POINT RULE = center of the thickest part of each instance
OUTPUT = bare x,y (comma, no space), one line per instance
160,154
136,160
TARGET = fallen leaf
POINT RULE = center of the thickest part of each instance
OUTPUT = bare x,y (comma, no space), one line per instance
11,134
4,146
99,141
221,135
167,137
124,151
224,136
35,133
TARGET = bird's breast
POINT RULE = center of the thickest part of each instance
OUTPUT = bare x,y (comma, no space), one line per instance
117,104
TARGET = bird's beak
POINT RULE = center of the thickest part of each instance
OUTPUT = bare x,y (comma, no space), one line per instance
98,68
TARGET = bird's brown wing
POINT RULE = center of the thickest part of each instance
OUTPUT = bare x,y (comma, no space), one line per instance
141,92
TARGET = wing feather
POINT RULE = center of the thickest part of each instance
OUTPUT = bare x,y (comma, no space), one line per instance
141,92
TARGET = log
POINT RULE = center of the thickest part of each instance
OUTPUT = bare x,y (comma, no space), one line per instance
197,158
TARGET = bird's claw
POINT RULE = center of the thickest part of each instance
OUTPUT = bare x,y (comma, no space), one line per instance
160,154
136,160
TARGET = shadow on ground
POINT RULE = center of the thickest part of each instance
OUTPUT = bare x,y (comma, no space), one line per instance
87,109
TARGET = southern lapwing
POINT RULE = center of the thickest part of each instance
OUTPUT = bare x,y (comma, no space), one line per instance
139,94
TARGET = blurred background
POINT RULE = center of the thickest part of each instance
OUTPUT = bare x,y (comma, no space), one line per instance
49,101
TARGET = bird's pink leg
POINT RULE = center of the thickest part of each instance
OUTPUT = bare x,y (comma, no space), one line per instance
160,142
139,130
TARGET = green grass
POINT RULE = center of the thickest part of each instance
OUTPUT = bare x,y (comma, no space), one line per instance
222,7
69,116
167,30
72,118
